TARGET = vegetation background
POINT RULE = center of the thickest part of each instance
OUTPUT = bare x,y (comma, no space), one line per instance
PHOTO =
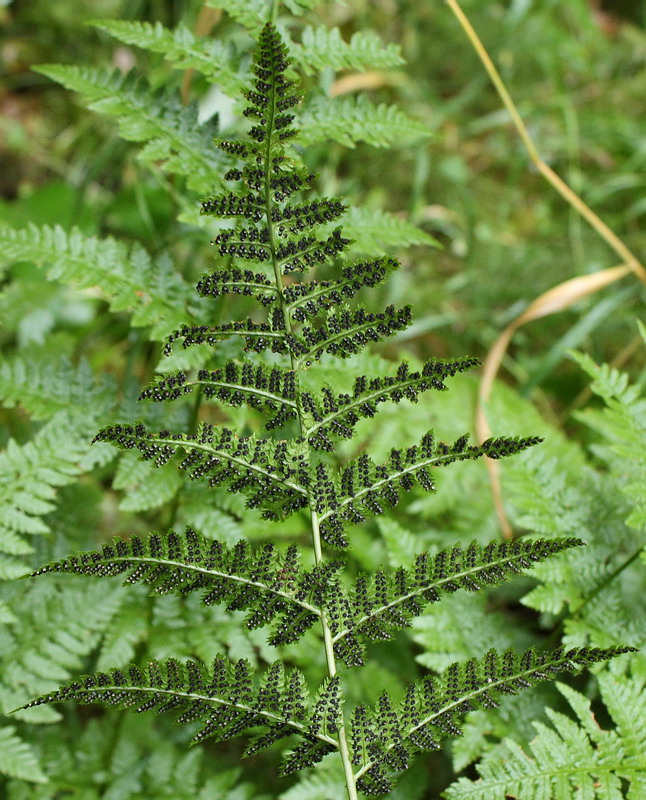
81,331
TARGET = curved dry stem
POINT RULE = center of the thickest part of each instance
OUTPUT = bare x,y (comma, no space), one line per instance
557,298
546,171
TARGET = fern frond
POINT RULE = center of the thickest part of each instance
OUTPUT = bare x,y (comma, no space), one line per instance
144,487
242,282
323,48
30,476
325,717
272,588
225,700
572,758
346,332
310,299
365,488
181,48
257,336
171,132
381,604
152,291
372,230
349,120
338,413
297,216
17,759
51,639
622,424
384,738
270,390
273,472
44,388
253,14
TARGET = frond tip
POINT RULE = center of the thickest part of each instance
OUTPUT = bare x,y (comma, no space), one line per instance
384,738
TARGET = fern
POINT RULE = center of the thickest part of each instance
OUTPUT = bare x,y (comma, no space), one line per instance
384,738
171,133
572,758
623,425
17,759
324,47
276,232
594,591
31,475
43,388
127,277
181,48
371,230
349,120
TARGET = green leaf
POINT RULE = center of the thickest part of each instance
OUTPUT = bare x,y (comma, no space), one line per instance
182,48
349,120
44,388
17,759
323,48
372,231
170,131
270,587
571,759
127,277
382,603
31,474
225,700
383,738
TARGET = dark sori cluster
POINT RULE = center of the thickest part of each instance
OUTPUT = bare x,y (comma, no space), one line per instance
294,324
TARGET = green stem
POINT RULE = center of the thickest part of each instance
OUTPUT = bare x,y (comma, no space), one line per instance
351,787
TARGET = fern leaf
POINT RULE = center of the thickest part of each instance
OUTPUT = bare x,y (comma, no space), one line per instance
127,277
51,639
380,605
145,487
323,48
365,488
338,413
346,332
572,758
253,14
235,281
171,131
270,390
257,336
622,423
372,231
44,388
17,760
30,476
383,739
181,48
349,120
223,699
306,300
272,471
270,587
325,718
